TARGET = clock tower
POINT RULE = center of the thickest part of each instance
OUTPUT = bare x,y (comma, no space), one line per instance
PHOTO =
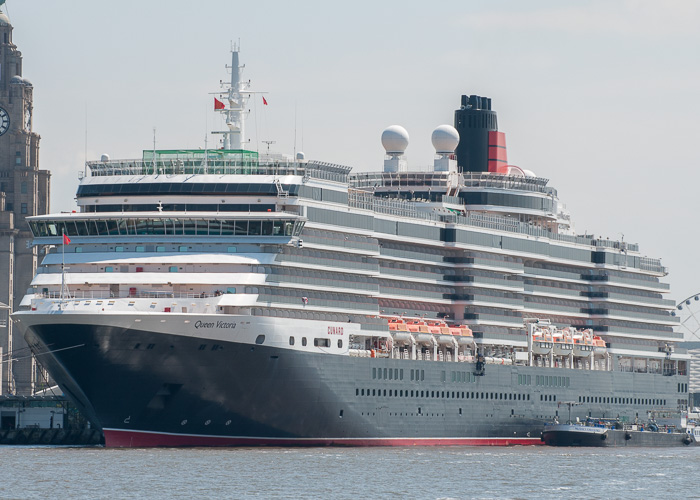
24,191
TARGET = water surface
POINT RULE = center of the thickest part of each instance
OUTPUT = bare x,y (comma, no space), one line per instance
344,473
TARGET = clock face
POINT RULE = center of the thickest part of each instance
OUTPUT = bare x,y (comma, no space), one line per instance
4,121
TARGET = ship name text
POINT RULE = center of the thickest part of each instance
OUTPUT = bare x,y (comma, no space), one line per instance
217,324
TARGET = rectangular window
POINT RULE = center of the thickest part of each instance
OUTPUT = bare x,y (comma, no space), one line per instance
140,249
183,249
173,269
231,250
23,208
109,269
78,249
119,249
322,342
160,249
231,289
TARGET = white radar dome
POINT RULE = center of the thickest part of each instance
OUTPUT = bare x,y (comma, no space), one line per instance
104,157
395,139
301,155
445,139
529,173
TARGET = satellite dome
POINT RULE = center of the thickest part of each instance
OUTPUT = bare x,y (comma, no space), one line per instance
300,155
104,157
516,171
395,139
529,173
445,139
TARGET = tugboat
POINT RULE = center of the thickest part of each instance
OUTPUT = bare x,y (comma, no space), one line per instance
607,432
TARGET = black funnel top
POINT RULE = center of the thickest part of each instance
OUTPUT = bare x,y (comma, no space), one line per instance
474,120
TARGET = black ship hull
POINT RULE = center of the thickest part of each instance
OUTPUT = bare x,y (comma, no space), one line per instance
145,388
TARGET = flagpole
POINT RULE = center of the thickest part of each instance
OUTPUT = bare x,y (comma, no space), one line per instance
63,263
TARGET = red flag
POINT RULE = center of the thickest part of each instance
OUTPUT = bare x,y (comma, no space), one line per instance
66,240
264,101
218,104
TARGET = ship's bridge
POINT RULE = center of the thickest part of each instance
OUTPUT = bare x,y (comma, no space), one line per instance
197,181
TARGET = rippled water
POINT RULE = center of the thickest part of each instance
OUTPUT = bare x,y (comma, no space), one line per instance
337,473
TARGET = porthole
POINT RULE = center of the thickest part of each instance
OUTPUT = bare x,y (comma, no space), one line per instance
183,422
228,422
207,422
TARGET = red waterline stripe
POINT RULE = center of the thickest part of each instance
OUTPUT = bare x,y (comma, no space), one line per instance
137,439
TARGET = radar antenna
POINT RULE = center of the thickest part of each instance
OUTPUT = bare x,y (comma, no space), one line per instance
268,145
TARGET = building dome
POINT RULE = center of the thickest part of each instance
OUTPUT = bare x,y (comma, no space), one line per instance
4,20
395,139
17,80
445,139
27,82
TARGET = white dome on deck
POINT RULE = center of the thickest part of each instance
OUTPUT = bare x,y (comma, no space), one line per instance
395,139
445,139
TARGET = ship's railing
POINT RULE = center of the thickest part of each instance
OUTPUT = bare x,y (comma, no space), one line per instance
106,294
225,166
413,179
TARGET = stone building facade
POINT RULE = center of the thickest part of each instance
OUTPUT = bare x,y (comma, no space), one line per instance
24,191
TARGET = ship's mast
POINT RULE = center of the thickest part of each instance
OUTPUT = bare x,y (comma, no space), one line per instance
235,113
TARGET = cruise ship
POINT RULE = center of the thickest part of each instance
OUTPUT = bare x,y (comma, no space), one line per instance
228,297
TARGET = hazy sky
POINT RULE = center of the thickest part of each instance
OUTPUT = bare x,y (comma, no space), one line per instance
600,97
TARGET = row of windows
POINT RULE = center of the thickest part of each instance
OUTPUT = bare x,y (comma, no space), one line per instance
389,373
621,401
318,342
401,393
199,188
551,381
507,200
202,347
22,185
524,379
166,226
461,377
9,206
181,207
